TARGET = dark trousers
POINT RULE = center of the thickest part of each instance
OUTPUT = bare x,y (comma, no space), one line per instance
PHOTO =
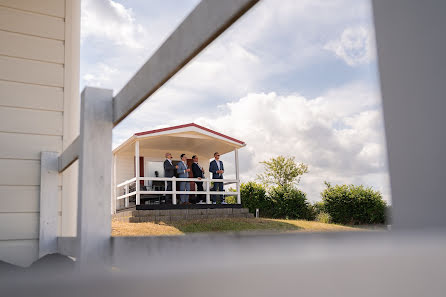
217,187
201,197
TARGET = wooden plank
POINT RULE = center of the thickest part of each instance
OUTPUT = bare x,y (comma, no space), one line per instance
19,172
28,71
32,24
49,190
15,226
30,121
50,7
93,216
31,47
69,155
27,146
204,24
31,96
19,252
23,198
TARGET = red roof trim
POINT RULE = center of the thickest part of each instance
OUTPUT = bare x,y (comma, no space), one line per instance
185,126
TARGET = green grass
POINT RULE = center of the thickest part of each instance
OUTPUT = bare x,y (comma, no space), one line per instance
234,225
223,225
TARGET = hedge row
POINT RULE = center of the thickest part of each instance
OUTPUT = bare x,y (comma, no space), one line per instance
341,204
278,202
353,205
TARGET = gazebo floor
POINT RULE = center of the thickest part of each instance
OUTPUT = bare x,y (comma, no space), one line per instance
187,206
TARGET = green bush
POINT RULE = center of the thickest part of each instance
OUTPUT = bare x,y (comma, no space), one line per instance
254,196
318,207
323,217
349,204
291,203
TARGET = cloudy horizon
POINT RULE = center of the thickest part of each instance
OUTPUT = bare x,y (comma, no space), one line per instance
296,79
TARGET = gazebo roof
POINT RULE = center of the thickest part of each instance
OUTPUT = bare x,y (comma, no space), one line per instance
189,138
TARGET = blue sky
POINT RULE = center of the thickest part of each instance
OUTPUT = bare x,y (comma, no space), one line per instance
296,78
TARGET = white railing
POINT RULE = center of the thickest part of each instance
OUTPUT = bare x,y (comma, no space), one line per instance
206,186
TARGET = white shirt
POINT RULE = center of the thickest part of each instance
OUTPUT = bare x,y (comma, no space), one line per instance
218,164
185,164
170,161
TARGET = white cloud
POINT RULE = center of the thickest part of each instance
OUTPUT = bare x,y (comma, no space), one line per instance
340,145
355,46
100,74
111,20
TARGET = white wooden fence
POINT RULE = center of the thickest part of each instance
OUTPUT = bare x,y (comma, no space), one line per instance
174,192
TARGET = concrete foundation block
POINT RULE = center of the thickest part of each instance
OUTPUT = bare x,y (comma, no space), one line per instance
177,212
178,218
163,212
193,211
163,219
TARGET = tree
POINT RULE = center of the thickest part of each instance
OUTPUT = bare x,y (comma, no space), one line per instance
282,171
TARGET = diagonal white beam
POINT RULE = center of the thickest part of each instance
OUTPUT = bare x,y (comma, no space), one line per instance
69,155
204,24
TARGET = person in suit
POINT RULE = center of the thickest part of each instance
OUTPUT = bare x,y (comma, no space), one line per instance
169,171
217,169
183,172
198,172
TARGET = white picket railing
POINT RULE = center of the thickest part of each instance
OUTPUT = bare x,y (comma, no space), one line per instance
174,192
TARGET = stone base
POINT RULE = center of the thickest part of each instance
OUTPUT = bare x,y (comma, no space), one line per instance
172,215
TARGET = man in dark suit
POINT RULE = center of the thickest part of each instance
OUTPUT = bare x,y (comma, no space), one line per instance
198,172
217,169
169,171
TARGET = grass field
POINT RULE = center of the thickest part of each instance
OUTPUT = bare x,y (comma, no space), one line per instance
223,225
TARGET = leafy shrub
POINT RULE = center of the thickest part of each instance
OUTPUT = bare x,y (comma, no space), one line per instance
254,196
323,217
349,204
318,207
289,202
231,199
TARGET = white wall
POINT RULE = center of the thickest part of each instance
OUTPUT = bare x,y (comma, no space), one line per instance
38,85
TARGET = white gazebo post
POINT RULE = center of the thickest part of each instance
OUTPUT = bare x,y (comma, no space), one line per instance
237,177
137,171
114,189
174,189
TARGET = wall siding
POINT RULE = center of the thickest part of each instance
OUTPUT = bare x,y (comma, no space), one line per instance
49,7
33,76
24,22
31,47
32,72
25,146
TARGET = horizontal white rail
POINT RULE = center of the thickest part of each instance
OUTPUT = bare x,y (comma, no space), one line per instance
174,192
179,192
126,182
189,179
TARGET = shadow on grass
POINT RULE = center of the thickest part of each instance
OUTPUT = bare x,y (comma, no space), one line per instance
233,225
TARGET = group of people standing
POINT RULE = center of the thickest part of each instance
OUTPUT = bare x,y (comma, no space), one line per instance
183,170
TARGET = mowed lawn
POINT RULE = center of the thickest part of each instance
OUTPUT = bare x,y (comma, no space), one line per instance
223,225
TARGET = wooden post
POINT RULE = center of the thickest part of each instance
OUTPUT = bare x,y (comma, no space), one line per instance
114,189
126,199
137,171
174,188
95,161
237,177
208,194
49,202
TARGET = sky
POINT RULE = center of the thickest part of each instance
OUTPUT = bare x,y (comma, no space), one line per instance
292,77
